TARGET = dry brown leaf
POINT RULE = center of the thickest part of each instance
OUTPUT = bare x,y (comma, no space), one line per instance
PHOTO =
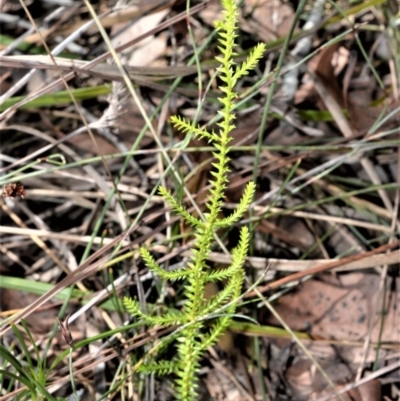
322,66
341,310
212,13
362,115
41,322
307,383
371,391
291,237
149,49
85,143
267,19
142,7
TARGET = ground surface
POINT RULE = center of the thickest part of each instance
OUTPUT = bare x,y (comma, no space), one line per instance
317,128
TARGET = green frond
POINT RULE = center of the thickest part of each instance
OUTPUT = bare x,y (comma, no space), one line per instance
220,326
169,319
251,61
232,289
234,273
151,263
189,367
223,296
219,275
187,126
180,274
178,208
177,275
191,344
132,306
240,252
159,368
243,206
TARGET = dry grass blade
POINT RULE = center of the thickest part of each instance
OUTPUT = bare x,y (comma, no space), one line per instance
104,71
316,129
325,267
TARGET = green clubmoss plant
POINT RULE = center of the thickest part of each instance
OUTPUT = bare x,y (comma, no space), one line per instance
196,335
